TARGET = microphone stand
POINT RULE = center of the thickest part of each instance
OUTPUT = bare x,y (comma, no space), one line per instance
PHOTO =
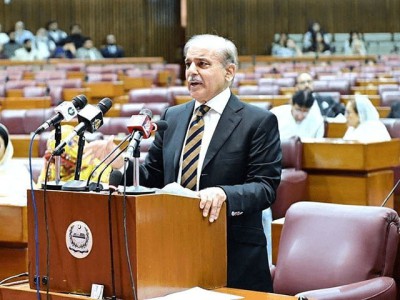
57,183
136,189
76,184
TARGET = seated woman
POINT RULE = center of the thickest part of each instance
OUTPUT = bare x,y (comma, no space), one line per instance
68,161
363,121
14,176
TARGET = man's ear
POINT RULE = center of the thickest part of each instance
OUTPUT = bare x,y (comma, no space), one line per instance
230,72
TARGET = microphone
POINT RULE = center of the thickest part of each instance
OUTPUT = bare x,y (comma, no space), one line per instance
160,125
90,119
65,111
390,193
140,127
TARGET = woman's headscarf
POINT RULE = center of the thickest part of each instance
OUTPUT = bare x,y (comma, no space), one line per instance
366,110
9,151
68,161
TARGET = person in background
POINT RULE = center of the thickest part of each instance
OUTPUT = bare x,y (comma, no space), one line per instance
354,45
315,37
22,34
43,45
10,47
26,53
285,47
75,37
68,160
363,121
54,33
14,175
301,117
4,38
111,49
88,51
328,106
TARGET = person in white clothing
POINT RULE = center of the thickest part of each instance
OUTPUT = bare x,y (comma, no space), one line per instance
363,122
14,175
300,118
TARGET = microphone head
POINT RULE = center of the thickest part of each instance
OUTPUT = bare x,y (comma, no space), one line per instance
104,105
140,123
147,112
115,179
79,101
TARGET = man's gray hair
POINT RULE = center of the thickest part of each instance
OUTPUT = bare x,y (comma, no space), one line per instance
223,46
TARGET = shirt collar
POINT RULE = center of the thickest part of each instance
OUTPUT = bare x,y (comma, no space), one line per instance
217,103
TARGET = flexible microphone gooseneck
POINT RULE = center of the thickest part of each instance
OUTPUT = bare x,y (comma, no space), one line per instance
105,158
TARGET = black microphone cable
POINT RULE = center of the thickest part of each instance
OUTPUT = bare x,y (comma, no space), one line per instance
115,179
128,257
35,220
46,222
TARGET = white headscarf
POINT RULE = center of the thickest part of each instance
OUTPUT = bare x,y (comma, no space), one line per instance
366,110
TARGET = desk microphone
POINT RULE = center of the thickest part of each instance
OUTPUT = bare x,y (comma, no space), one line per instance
390,193
65,111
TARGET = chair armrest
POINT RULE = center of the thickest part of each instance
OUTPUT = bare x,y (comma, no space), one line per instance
377,288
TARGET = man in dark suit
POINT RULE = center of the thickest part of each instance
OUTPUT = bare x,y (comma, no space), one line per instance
239,161
111,49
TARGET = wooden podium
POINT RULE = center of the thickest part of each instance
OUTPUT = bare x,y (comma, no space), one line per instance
172,247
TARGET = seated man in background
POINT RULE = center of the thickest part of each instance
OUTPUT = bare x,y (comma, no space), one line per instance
14,175
328,106
111,49
301,117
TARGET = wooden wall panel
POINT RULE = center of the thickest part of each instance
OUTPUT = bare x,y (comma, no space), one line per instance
258,20
142,27
152,27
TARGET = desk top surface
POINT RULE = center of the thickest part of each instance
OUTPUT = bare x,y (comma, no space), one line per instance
338,154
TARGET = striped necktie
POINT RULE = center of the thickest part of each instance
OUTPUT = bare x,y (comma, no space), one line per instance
192,149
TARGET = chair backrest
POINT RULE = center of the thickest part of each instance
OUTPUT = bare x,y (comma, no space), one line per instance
326,245
151,95
392,126
292,153
24,121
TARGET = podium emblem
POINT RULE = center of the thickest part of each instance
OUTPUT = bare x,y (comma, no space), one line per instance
79,239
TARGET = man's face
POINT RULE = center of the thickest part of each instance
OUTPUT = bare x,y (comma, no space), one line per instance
304,82
299,113
205,74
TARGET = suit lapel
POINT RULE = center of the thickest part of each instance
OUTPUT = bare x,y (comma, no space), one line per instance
230,118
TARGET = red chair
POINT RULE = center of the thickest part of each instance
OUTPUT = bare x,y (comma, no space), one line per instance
293,184
334,251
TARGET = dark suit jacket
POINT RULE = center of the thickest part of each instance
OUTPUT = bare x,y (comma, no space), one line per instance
105,51
244,159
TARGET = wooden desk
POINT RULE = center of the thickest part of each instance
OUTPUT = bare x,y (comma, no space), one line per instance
23,292
347,172
13,240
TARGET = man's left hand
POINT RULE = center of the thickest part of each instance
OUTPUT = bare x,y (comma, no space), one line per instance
211,200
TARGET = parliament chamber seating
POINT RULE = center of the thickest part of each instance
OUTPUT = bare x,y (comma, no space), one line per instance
293,179
129,109
336,251
150,95
24,121
390,97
